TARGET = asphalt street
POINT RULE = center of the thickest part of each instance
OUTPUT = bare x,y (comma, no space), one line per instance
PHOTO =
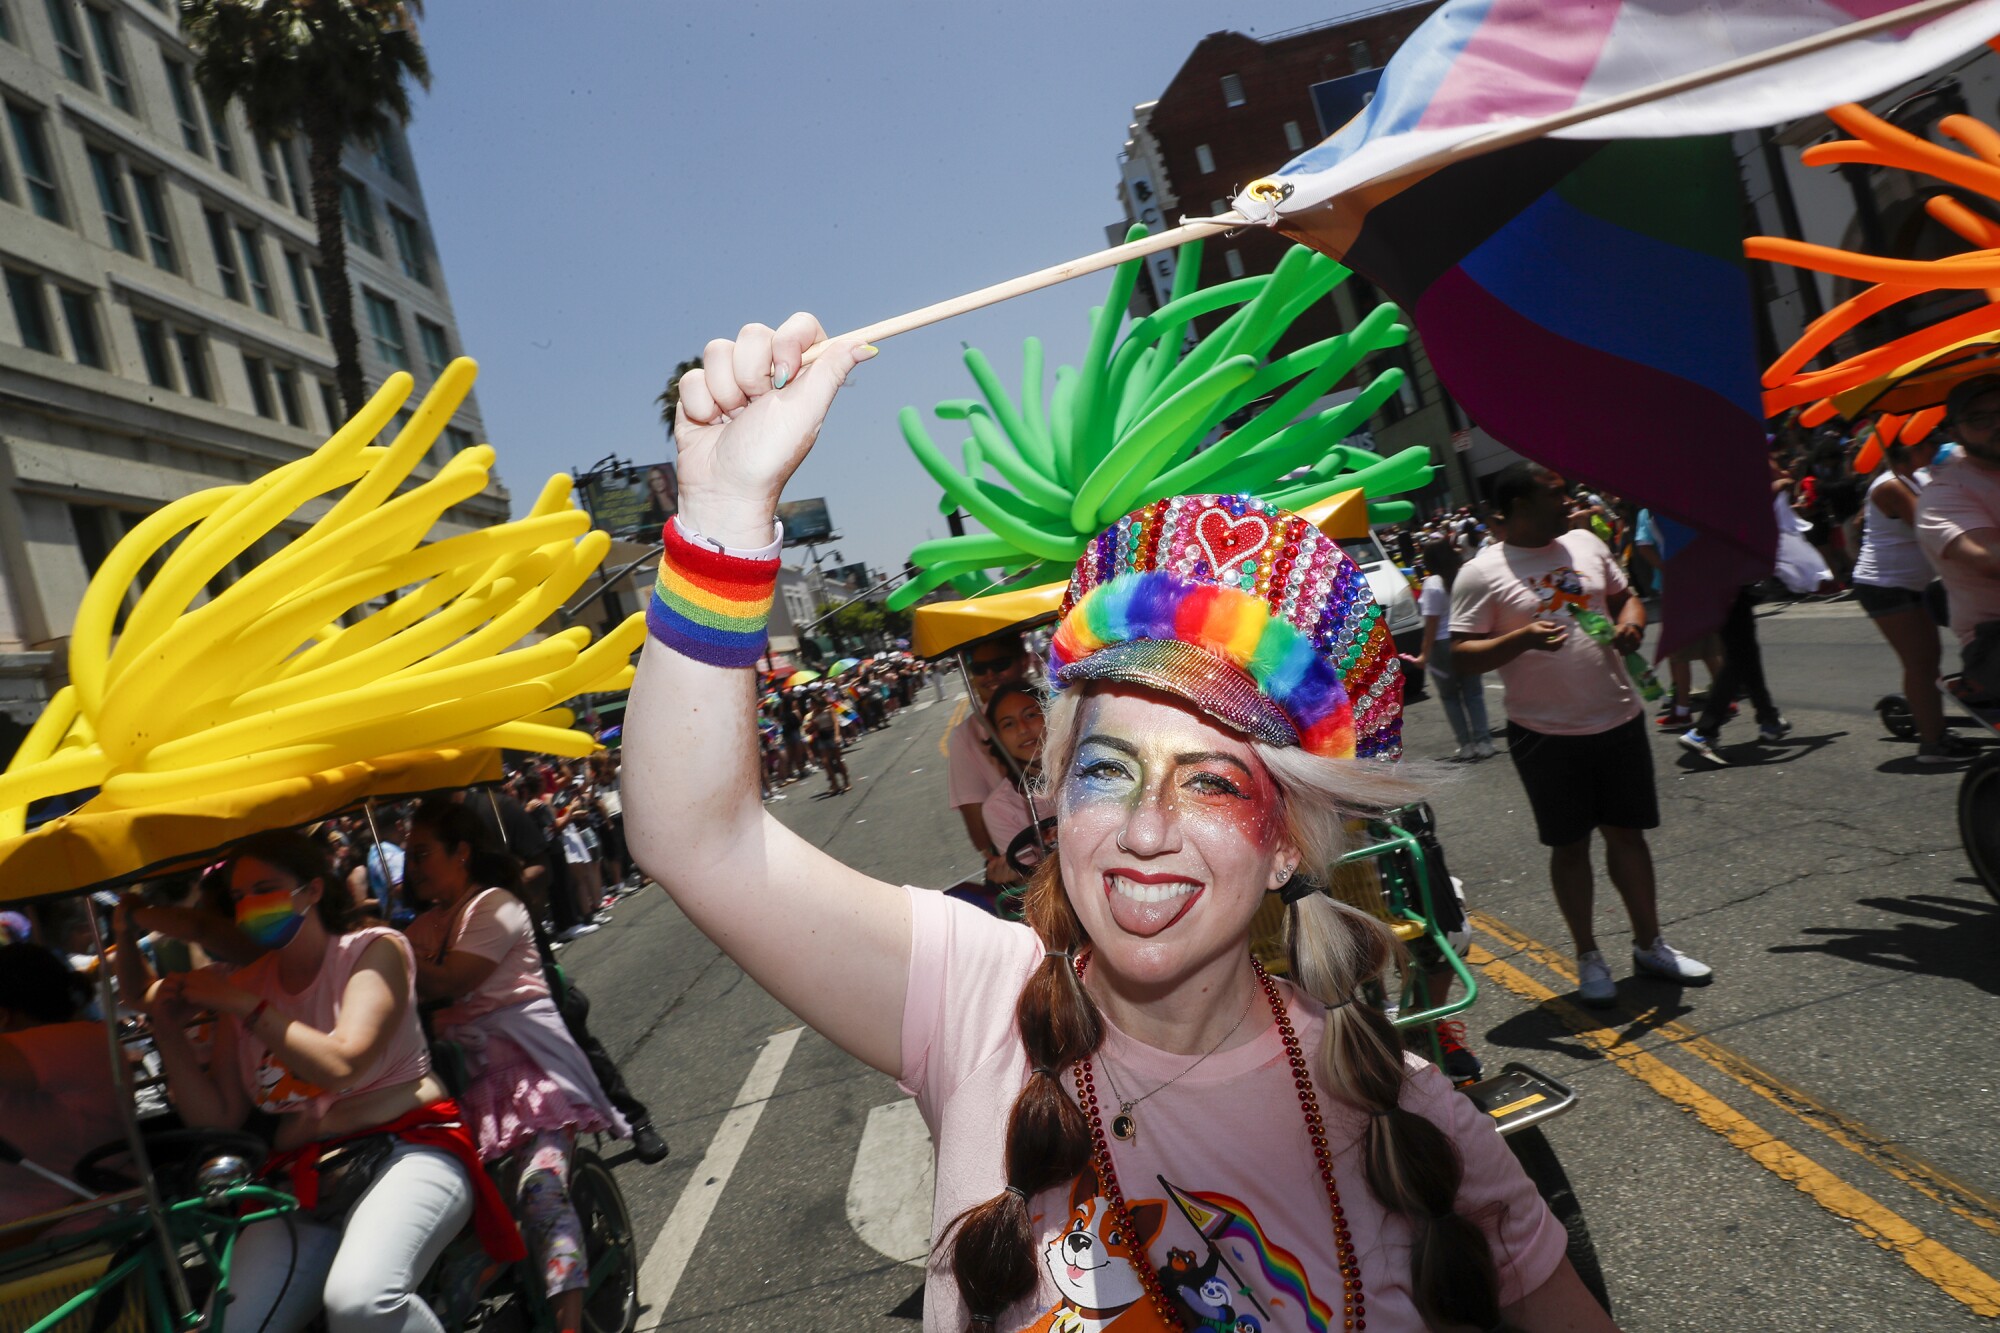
1812,1142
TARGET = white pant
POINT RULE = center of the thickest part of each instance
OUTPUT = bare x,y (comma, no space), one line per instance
362,1271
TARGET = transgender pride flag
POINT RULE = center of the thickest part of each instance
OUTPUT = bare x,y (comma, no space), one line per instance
1584,295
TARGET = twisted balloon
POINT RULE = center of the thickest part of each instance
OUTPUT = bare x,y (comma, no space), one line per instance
1127,426
349,641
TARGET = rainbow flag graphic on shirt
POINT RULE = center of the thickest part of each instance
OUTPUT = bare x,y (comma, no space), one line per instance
1584,296
1229,1226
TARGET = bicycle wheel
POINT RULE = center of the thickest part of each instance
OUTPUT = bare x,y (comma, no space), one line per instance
612,1305
1537,1157
1979,820
1897,719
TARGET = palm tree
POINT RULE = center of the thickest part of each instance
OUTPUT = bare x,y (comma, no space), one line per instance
670,397
331,70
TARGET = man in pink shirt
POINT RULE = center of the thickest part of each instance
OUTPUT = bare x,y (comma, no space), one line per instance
1958,525
1575,726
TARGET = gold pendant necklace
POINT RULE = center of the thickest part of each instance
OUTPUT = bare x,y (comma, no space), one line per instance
1123,1126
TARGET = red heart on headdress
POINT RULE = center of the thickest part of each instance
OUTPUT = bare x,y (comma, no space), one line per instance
1229,540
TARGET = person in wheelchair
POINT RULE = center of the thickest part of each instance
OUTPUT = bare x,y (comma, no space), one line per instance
322,1032
530,1089
1014,720
57,1100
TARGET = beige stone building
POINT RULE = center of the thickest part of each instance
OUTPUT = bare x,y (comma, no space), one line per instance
161,329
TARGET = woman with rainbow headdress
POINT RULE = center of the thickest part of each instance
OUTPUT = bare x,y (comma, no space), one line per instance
1135,1126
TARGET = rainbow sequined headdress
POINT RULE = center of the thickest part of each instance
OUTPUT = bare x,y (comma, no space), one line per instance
1246,611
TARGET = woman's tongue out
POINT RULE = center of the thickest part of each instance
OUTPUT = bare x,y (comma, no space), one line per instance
1144,909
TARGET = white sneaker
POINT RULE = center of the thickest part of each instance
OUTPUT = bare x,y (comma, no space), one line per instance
1666,962
576,932
1593,979
1485,747
1466,753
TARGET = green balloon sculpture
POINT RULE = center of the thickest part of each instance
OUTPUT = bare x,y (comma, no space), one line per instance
1123,429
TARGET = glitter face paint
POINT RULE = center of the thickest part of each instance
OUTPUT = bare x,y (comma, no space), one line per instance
1170,832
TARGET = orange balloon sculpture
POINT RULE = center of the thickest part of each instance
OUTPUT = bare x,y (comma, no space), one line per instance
1787,382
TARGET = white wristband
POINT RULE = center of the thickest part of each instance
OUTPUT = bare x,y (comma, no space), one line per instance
768,551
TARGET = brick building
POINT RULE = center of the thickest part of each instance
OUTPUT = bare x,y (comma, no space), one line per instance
1239,108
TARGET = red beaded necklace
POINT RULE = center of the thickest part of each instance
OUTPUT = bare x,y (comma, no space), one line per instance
1353,1311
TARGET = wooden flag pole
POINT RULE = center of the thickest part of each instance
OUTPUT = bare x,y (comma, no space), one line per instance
1489,142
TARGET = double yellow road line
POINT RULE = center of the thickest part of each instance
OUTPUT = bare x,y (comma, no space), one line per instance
1937,1263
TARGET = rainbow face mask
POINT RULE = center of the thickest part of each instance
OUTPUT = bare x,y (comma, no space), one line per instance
269,918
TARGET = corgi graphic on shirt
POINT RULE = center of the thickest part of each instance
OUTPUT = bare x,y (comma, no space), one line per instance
1222,1273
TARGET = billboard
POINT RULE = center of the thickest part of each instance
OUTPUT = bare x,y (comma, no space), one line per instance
1338,101
633,502
805,521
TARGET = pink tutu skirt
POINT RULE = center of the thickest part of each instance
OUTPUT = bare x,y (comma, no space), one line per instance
512,1099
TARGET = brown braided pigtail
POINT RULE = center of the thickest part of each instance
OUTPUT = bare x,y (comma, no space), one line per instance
1048,1139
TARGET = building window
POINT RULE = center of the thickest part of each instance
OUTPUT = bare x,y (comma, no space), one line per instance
457,440
410,246
253,269
1233,261
194,363
110,59
388,156
1217,207
329,400
387,326
287,381
437,353
183,91
360,216
267,166
6,24
153,350
1232,90
69,42
111,195
1357,55
1293,139
1204,160
153,219
295,268
218,130
31,311
38,171
93,543
288,159
80,314
225,254
259,375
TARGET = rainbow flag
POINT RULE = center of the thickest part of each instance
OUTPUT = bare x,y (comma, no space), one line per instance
1584,296
1233,1231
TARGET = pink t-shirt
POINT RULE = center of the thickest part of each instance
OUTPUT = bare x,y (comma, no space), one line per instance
496,928
72,1109
1220,1175
1962,497
973,772
1580,689
273,1086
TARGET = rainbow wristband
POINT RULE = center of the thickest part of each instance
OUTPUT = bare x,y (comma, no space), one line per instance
709,604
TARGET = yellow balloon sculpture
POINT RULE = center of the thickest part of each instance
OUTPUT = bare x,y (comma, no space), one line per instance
263,681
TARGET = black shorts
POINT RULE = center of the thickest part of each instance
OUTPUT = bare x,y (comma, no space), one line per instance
1879,601
1576,783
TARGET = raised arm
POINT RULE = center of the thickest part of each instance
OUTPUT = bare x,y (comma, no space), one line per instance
832,944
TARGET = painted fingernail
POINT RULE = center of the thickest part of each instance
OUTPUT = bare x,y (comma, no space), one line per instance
779,375
866,350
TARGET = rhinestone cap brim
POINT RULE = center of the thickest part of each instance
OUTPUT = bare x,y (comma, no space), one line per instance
1218,688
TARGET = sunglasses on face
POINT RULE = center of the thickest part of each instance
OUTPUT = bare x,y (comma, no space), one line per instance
1980,420
991,666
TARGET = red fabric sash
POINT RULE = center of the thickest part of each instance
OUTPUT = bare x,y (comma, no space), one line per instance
439,1125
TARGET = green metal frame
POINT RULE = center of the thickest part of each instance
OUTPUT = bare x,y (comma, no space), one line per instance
1405,875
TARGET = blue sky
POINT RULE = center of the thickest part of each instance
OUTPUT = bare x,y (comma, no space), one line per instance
614,184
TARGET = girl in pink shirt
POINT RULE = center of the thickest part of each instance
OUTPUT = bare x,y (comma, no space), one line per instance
531,1089
1136,1129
